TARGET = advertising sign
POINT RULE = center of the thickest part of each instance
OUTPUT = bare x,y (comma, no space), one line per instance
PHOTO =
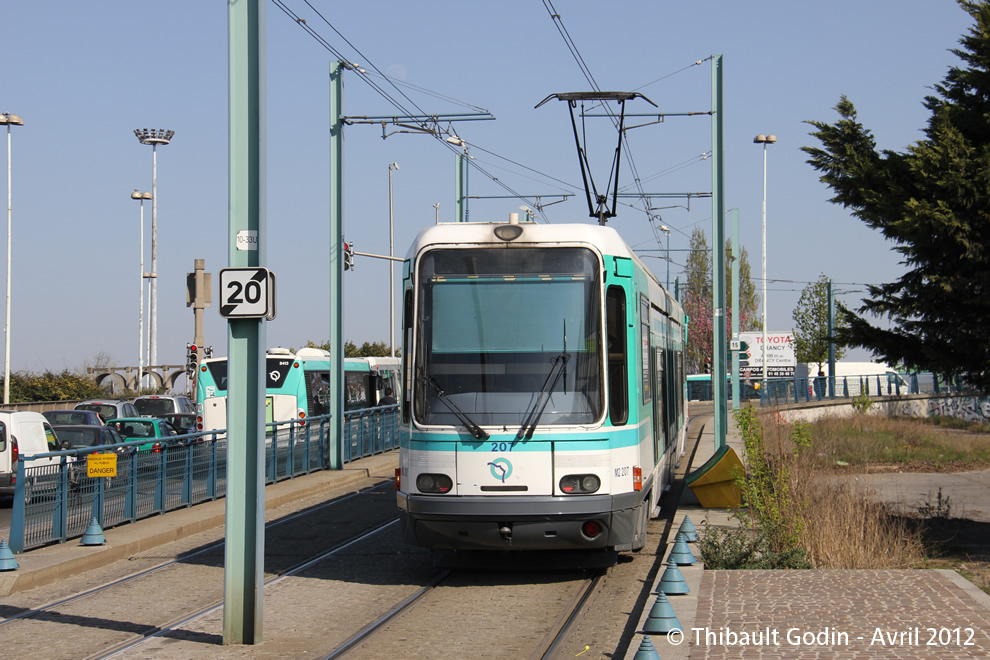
781,359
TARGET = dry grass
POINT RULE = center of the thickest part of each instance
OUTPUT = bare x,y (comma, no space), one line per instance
843,526
846,528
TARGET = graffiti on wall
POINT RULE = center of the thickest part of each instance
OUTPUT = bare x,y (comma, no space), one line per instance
970,408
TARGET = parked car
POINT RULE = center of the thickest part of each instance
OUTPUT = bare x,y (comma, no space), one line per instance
157,432
79,436
154,405
183,422
109,408
64,417
23,433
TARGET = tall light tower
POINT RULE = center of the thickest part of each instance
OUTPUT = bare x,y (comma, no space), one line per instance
9,120
391,267
154,137
141,196
764,140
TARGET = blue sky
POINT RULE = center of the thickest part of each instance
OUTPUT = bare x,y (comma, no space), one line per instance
83,76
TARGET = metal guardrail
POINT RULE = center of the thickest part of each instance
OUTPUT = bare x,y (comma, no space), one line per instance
802,390
57,501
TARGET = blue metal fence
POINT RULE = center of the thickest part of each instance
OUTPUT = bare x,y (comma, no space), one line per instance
797,390
56,502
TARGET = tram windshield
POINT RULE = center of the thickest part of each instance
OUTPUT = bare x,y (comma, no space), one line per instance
494,322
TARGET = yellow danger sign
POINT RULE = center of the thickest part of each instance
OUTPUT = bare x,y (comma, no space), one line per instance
101,465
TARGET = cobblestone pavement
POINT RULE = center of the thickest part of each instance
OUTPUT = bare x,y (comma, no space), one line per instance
902,614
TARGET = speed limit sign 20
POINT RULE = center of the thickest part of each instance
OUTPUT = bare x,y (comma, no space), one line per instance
247,293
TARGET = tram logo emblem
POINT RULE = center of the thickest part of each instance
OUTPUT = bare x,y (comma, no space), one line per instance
274,375
501,469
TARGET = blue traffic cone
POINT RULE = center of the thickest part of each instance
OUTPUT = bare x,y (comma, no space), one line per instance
662,618
7,561
646,650
672,583
93,534
688,530
681,553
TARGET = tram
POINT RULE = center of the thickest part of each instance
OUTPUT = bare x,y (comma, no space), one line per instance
543,402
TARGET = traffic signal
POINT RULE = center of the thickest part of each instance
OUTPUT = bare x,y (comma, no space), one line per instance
348,256
708,365
192,357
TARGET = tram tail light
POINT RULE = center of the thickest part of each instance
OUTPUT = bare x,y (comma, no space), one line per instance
591,529
637,478
398,478
302,417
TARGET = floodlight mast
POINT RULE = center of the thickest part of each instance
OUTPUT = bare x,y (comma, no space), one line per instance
599,209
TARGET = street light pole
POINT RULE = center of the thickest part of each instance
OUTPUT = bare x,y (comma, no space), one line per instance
154,137
764,140
9,120
141,197
666,230
391,267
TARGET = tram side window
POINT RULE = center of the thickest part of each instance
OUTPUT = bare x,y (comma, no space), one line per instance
618,382
407,317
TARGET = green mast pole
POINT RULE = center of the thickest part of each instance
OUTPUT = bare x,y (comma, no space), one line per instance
245,502
336,426
718,260
736,261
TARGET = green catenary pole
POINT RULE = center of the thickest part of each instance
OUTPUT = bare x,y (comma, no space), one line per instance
736,259
718,261
245,502
336,427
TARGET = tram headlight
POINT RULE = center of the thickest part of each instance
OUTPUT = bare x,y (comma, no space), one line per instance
583,484
434,483
508,232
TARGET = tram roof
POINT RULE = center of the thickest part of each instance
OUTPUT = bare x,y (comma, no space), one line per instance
605,239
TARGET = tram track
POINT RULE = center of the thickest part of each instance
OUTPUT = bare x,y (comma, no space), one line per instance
123,612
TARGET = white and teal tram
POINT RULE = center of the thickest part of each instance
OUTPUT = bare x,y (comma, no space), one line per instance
544,397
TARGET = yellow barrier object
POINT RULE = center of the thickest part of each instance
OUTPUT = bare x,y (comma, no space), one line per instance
714,483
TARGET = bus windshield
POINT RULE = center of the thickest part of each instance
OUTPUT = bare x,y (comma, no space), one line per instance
494,325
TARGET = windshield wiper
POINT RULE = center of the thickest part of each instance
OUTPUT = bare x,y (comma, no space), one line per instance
468,423
534,415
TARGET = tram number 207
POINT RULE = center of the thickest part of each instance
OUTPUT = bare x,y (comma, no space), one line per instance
622,472
503,446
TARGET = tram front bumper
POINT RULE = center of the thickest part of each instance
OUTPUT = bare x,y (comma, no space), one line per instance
509,522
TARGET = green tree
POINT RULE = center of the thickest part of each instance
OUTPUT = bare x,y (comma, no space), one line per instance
811,324
697,299
367,349
933,202
51,386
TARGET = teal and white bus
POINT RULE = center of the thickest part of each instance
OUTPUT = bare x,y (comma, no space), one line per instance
297,385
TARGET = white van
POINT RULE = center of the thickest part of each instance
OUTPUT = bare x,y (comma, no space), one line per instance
22,434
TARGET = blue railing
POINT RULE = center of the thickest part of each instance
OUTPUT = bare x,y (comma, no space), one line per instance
798,390
56,501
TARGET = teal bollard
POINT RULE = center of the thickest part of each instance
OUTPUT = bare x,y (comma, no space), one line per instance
672,583
7,561
646,650
688,530
93,534
681,553
662,618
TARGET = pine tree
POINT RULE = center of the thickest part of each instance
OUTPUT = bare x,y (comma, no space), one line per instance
933,202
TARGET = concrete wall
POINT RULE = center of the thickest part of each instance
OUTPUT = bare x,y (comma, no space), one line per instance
969,407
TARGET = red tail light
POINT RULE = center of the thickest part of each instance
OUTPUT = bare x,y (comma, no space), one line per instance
156,447
637,478
591,529
14,455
